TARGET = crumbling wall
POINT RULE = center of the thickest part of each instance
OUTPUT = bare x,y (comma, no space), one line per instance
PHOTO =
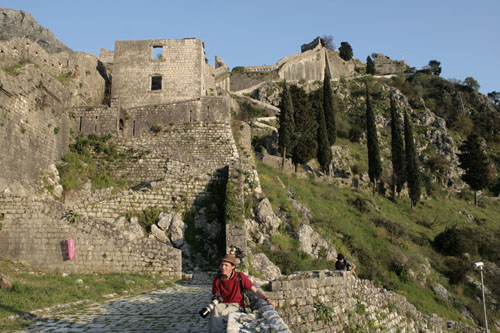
385,65
324,301
180,66
34,232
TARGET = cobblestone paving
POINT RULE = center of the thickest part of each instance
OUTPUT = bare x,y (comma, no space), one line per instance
174,309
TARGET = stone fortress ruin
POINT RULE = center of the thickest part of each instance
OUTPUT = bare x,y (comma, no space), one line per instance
171,111
159,99
174,92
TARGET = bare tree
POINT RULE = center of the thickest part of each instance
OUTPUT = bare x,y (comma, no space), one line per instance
328,42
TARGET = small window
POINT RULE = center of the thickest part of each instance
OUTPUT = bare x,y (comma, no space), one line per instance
157,52
156,82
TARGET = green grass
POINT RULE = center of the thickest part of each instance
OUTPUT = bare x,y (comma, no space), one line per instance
33,290
15,69
64,78
376,239
93,159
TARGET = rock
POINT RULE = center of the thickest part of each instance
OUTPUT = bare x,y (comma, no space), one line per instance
265,266
58,191
164,220
186,250
302,210
133,229
158,233
79,281
468,215
18,23
176,230
268,221
440,291
63,274
5,282
312,243
492,269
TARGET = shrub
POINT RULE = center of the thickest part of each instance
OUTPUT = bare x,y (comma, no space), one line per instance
457,269
456,241
156,129
147,217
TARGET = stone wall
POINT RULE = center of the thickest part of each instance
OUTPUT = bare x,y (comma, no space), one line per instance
34,232
324,301
36,91
236,233
106,56
180,66
385,65
30,139
135,121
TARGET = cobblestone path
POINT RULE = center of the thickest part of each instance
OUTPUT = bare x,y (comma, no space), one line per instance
174,309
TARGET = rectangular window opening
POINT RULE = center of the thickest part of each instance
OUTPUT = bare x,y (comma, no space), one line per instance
157,52
156,83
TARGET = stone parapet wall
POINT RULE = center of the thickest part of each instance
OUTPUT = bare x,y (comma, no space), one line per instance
137,121
33,232
263,68
325,301
106,56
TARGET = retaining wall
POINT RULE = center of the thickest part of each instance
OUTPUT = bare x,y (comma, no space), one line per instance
33,232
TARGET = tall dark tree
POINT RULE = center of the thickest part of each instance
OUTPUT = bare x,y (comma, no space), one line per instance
397,150
345,51
324,154
374,162
329,110
474,161
435,67
286,125
306,145
370,66
412,172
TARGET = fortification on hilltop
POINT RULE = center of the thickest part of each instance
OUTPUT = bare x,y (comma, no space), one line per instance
158,98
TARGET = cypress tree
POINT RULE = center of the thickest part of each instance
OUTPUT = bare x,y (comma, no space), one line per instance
329,110
370,66
306,145
324,154
397,150
286,125
374,163
412,172
345,51
474,161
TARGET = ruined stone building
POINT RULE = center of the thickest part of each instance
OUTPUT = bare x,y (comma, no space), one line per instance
158,98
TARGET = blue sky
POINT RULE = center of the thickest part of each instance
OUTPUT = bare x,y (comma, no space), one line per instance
463,35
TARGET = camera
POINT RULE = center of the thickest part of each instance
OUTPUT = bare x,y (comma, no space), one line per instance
216,299
478,265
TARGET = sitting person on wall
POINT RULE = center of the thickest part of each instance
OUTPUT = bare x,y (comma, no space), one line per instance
230,285
343,265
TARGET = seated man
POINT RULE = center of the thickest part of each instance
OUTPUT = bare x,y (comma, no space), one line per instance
228,285
342,265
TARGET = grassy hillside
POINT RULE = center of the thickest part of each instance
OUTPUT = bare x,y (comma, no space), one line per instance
391,245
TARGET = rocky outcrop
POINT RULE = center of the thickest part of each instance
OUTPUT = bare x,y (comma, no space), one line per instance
18,23
264,266
268,221
312,243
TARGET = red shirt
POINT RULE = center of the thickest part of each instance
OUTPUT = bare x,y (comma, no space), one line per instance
230,289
